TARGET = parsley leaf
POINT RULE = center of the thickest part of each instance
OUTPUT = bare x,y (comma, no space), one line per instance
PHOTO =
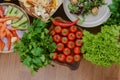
36,46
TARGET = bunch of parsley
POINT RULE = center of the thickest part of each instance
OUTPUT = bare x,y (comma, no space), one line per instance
115,13
104,47
36,46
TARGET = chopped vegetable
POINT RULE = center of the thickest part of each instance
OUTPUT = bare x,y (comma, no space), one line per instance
1,12
21,23
8,18
62,24
2,45
104,47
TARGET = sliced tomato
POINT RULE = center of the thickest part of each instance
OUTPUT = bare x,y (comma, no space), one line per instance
78,34
64,40
60,46
61,57
77,50
71,36
78,42
73,29
55,56
77,58
69,59
67,51
71,44
57,38
58,29
65,32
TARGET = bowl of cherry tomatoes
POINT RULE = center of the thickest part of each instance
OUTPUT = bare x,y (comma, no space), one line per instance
68,39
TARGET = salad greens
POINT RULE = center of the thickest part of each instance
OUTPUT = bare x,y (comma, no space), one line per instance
84,7
36,46
115,13
104,47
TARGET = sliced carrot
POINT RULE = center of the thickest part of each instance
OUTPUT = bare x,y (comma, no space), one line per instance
9,42
2,30
2,45
15,35
9,37
4,19
1,11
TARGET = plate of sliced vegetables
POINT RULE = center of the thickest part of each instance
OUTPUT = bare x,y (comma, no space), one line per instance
43,9
13,23
91,13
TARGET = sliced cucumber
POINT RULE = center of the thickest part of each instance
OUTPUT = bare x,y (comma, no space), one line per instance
20,14
20,22
9,9
21,27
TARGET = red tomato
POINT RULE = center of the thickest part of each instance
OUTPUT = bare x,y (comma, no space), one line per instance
58,29
69,59
65,32
60,46
64,40
77,50
73,29
52,33
57,38
77,58
78,42
67,51
71,44
78,34
71,36
61,57
55,56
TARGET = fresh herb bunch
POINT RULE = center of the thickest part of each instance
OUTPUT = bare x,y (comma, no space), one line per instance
36,46
104,47
115,13
84,7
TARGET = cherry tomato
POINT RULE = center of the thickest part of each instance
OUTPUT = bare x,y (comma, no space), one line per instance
78,42
61,57
73,29
65,32
77,50
58,29
77,58
78,34
64,40
67,51
71,36
52,33
71,44
57,38
69,59
60,46
55,56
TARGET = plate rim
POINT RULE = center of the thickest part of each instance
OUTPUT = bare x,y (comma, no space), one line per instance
101,20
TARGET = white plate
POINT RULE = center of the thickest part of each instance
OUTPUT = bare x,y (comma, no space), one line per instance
19,32
90,20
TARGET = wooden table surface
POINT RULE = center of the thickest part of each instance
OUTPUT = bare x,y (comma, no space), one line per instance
12,69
